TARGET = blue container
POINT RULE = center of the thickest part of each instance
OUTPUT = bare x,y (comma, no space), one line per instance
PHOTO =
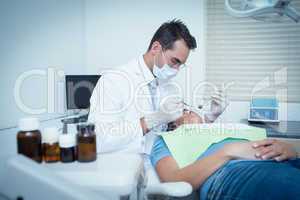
264,109
264,102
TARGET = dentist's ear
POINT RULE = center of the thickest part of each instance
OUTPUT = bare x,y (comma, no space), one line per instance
156,48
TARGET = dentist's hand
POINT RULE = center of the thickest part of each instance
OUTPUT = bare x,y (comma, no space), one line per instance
217,107
170,109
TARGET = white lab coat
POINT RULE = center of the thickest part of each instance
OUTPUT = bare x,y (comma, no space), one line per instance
120,98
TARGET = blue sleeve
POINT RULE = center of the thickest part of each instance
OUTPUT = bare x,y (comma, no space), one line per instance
159,151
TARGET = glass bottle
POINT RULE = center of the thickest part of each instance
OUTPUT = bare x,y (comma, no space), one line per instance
51,151
67,145
29,139
86,140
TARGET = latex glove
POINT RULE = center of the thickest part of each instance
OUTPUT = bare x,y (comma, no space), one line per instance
170,109
217,107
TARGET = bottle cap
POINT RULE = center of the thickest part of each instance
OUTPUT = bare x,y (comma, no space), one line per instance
91,127
29,124
82,127
50,135
67,140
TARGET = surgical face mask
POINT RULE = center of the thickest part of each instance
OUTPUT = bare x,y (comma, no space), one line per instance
164,73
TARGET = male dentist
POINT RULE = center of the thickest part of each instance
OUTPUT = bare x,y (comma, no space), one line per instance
134,102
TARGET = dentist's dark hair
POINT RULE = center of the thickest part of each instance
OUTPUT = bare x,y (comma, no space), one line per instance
171,31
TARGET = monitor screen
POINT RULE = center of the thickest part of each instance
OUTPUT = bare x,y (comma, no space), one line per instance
79,89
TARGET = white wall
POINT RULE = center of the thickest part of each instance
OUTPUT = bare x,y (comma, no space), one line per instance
35,35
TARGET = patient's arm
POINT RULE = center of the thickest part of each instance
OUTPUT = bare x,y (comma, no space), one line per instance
196,173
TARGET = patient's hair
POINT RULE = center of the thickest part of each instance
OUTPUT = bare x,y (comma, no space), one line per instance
171,31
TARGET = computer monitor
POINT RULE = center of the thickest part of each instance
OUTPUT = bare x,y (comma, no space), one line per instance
79,89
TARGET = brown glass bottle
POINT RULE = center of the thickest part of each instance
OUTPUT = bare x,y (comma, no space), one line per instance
51,151
29,139
86,141
67,145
